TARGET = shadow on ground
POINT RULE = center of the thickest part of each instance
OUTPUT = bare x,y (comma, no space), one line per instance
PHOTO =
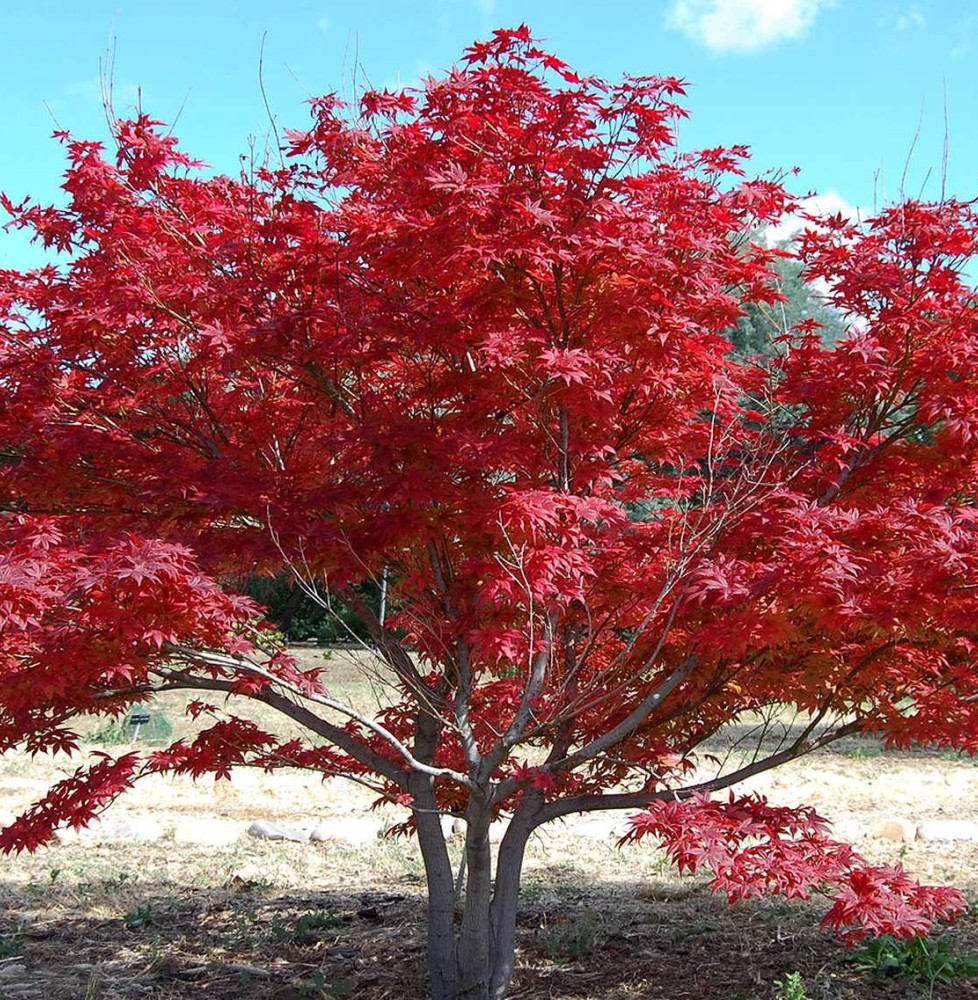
249,942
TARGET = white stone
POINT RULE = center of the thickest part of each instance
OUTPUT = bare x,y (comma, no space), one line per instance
847,828
352,831
246,875
895,829
497,831
207,832
11,784
596,828
137,829
391,821
943,830
456,828
264,829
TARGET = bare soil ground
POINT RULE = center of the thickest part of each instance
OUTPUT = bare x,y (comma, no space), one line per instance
259,920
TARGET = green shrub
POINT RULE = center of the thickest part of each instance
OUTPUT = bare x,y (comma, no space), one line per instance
117,732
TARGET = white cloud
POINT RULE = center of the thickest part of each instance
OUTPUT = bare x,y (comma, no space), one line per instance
742,25
911,19
323,24
829,203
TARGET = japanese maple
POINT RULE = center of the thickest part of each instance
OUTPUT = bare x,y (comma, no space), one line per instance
473,338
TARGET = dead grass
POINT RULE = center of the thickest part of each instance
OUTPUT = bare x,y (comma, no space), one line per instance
262,921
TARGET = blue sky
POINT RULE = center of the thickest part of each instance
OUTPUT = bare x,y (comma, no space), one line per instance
835,87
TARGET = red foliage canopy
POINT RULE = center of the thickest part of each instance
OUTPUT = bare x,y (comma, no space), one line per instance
474,335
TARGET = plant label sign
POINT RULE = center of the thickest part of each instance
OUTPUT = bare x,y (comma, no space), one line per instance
137,722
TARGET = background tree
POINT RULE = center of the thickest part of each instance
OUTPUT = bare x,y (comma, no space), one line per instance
307,613
759,328
464,336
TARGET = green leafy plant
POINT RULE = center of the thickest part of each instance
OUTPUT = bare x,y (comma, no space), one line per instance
9,946
792,988
307,924
139,918
930,961
317,986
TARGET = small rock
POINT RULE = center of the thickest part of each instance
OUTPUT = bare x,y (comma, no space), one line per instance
895,829
12,784
943,830
207,832
597,828
137,829
245,877
264,829
397,819
847,828
497,831
351,830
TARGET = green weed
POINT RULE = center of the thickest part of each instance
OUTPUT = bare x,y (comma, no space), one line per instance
139,918
307,924
318,987
9,946
792,988
930,962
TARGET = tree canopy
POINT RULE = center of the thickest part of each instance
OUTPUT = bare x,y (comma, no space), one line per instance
476,337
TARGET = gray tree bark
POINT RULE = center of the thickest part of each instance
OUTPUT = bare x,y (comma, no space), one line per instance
473,957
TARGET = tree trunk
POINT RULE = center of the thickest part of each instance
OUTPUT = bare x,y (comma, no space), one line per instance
505,899
442,960
477,962
475,932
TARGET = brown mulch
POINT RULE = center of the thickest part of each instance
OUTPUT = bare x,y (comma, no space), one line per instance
248,942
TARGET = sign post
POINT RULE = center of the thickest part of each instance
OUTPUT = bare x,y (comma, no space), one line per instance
137,722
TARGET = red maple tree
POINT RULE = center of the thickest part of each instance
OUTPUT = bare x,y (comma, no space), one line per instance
472,338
